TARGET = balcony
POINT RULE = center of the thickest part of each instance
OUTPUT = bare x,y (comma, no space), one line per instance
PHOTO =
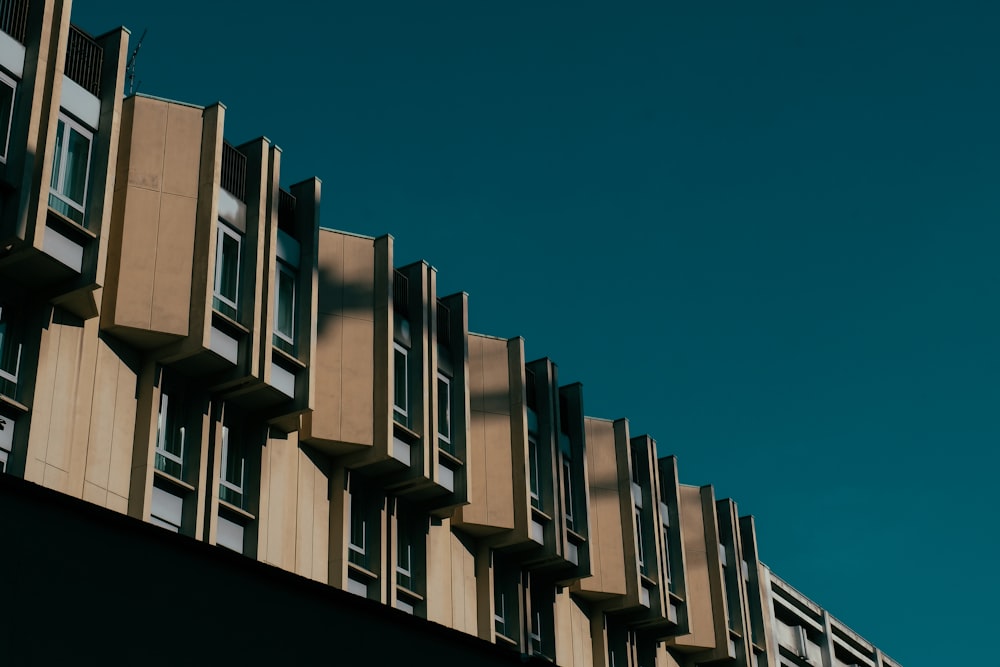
14,18
84,58
234,171
286,212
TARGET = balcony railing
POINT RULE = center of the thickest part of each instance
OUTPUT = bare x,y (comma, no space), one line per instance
286,212
14,18
443,324
234,171
400,294
84,58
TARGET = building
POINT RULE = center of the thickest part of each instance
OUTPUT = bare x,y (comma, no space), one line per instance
218,416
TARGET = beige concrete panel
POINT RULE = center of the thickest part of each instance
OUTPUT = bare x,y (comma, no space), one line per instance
338,528
304,514
144,442
607,545
325,420
699,589
359,278
496,382
573,642
133,304
441,572
476,351
321,520
122,436
357,385
102,422
465,611
664,658
264,501
117,503
61,418
330,263
281,510
83,406
125,147
182,153
55,479
148,142
475,511
45,378
93,493
498,488
171,289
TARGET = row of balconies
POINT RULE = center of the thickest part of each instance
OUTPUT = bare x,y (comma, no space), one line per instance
806,635
290,393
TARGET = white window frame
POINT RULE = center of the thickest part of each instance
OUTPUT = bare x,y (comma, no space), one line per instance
4,452
70,124
161,433
291,275
666,554
639,546
499,614
406,571
401,410
10,117
17,364
568,491
226,230
362,548
535,634
534,475
446,398
223,482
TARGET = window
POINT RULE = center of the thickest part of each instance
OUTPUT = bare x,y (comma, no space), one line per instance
401,396
233,469
357,546
666,557
70,169
7,88
536,632
444,411
506,600
169,438
404,559
533,480
541,633
568,491
227,271
284,309
639,546
6,441
10,355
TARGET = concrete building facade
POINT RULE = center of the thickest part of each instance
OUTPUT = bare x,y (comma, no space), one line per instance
183,345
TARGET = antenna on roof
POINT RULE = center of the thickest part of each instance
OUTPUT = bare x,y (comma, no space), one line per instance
130,67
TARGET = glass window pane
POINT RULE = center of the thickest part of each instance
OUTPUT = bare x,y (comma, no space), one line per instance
6,105
77,158
285,315
57,156
533,473
229,261
400,381
444,408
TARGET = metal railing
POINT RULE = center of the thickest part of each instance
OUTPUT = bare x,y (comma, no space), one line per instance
234,171
443,324
400,293
286,211
84,58
14,18
530,392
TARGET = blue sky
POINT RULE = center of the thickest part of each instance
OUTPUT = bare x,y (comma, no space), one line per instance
765,232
